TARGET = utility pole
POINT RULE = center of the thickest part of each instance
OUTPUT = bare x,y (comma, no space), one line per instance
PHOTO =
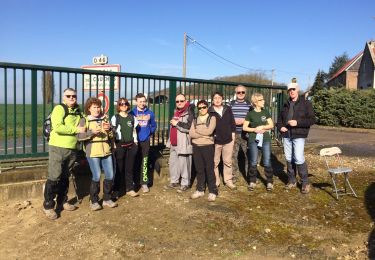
273,74
184,63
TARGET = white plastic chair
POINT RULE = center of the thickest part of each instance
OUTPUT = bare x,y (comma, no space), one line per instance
335,168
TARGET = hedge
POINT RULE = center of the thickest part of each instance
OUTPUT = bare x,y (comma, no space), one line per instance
341,107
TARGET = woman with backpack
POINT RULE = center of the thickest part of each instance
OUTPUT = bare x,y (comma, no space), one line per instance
202,138
124,127
97,145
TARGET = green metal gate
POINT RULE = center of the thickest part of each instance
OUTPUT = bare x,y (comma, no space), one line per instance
23,99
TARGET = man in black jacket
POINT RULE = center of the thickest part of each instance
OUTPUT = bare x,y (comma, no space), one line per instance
294,124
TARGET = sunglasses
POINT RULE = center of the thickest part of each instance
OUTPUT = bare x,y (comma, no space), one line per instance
71,96
291,89
260,100
180,101
124,104
200,108
240,92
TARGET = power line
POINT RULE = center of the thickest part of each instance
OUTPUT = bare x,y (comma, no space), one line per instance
193,41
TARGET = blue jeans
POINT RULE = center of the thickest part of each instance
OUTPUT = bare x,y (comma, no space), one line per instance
95,164
253,153
294,150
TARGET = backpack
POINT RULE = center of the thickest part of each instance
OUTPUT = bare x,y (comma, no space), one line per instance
47,123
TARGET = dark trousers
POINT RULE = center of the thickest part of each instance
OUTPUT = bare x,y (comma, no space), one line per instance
125,157
203,157
61,161
142,162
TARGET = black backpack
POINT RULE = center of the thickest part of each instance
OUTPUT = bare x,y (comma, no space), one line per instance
47,124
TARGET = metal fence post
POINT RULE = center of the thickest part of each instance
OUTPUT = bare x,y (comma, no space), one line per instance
172,98
111,95
34,112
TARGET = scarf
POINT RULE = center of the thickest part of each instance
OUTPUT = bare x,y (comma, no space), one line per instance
176,116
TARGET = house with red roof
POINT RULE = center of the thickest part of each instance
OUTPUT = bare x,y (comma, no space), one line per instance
347,75
366,73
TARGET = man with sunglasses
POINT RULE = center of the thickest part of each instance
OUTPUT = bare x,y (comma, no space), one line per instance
62,153
240,107
294,123
179,143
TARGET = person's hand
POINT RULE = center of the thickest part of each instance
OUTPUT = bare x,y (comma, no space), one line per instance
239,121
96,130
81,129
259,129
173,122
283,129
106,126
292,122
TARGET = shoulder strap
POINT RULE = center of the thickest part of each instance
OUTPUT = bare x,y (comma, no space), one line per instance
232,102
208,120
66,110
117,116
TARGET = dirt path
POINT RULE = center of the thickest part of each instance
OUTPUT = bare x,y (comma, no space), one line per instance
164,224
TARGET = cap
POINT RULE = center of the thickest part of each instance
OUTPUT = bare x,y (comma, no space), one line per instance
293,84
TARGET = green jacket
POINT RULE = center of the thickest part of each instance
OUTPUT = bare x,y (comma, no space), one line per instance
64,132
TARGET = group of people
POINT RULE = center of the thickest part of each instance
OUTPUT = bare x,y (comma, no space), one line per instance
217,133
119,146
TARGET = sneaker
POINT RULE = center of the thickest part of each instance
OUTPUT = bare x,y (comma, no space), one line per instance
251,186
269,186
197,194
172,186
234,179
145,188
95,206
290,186
132,193
50,213
305,188
230,185
69,207
211,197
182,188
109,203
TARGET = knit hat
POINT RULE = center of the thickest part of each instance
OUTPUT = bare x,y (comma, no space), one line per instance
293,84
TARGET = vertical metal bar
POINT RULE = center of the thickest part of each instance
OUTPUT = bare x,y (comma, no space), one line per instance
34,112
83,92
159,116
23,112
164,112
172,98
44,101
14,112
60,87
6,111
111,95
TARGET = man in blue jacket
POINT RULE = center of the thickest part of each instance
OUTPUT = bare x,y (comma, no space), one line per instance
146,127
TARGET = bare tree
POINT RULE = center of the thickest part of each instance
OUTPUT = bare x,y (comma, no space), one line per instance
48,87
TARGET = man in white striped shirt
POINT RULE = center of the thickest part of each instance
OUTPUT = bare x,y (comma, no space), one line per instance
240,106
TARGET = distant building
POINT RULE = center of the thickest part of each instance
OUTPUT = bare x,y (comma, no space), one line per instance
366,74
347,75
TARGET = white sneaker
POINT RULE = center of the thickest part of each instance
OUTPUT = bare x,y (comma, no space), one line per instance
145,188
252,186
50,213
197,194
132,193
109,203
269,186
211,197
95,206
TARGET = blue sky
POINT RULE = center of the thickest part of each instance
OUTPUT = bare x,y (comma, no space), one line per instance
296,38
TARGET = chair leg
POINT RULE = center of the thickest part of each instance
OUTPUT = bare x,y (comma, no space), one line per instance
333,177
350,186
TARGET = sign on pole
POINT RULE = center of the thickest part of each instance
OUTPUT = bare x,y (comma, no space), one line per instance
105,102
100,81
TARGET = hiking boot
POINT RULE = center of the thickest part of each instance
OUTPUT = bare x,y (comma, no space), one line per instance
132,193
197,194
95,206
290,186
230,185
269,186
50,213
251,186
109,203
305,188
182,188
145,188
172,186
211,197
